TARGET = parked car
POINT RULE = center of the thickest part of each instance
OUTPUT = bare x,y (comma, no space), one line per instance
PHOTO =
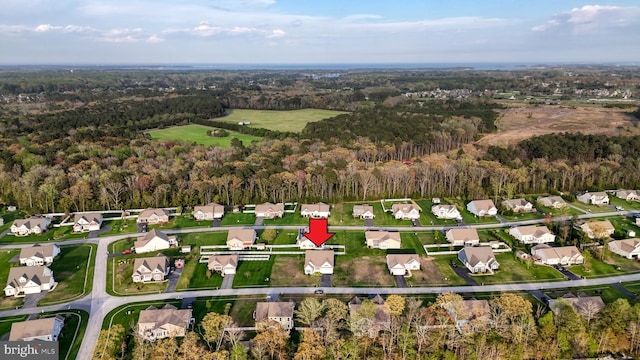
126,252
319,291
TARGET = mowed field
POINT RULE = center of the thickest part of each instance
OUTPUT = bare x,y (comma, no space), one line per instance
293,120
198,134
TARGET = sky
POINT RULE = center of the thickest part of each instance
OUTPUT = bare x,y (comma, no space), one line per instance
103,32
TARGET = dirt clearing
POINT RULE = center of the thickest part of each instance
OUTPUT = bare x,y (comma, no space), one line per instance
364,271
289,271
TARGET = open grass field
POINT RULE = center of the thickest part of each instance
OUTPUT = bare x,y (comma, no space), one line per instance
597,269
253,273
232,219
515,271
180,222
288,271
591,208
73,270
202,306
117,227
203,238
198,134
194,276
293,120
288,219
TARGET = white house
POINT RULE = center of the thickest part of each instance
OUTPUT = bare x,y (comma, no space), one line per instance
318,261
482,208
278,311
555,202
208,212
443,211
240,239
33,225
378,239
150,268
465,236
518,205
399,264
628,195
37,255
563,255
269,210
302,242
87,222
532,234
25,280
224,264
405,212
629,248
363,211
153,216
45,329
478,259
316,211
598,229
154,240
168,321
594,198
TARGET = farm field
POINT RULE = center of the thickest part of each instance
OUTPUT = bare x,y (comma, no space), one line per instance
293,120
198,133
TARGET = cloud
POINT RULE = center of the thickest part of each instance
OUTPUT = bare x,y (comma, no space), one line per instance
66,29
591,18
276,33
357,17
154,39
205,30
46,27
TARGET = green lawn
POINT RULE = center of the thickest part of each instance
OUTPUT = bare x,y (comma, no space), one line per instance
591,208
231,219
427,218
253,273
623,224
117,227
513,270
523,216
198,134
61,233
9,217
627,205
412,241
75,324
73,270
354,243
567,210
121,245
204,238
469,218
597,269
120,283
194,276
450,276
341,215
218,305
293,120
179,222
285,237
5,256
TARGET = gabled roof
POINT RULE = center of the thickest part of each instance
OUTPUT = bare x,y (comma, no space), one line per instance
512,203
550,200
481,205
209,208
150,264
404,208
464,234
244,235
380,235
361,209
318,257
30,273
266,207
446,207
605,225
223,260
144,240
31,222
556,252
146,213
584,305
627,245
477,254
33,328
88,217
265,310
534,230
38,250
318,207
401,259
166,315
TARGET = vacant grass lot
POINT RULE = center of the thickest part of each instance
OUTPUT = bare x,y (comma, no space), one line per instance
117,227
363,271
194,276
288,270
513,270
591,208
203,238
293,120
288,219
232,219
597,269
627,205
179,222
284,237
198,134
567,210
253,273
73,270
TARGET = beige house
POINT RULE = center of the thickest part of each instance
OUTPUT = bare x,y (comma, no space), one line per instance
240,239
400,264
555,202
629,248
150,268
303,242
316,211
153,216
378,239
405,212
208,212
33,225
586,306
598,229
154,240
443,211
628,195
270,211
38,255
482,208
563,255
594,198
478,259
363,211
470,315
280,312
87,222
167,321
532,234
463,237
45,329
25,280
224,264
318,261
518,205
381,320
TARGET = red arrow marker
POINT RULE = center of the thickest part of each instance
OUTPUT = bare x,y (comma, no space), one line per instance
318,231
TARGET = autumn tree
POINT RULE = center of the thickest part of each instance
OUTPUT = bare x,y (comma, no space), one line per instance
310,347
212,328
109,342
309,310
270,340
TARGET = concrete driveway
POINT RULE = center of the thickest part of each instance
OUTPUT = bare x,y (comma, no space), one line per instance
227,281
259,221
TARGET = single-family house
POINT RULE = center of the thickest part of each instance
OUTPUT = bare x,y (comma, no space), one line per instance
87,222
379,239
443,211
562,255
150,268
45,329
278,311
598,229
154,240
270,211
318,261
316,211
25,280
629,248
303,242
478,259
469,315
594,198
518,205
210,211
362,323
38,255
405,212
482,208
153,216
585,306
33,225
168,321
628,195
363,211
532,234
555,202
240,239
463,237
400,264
224,264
